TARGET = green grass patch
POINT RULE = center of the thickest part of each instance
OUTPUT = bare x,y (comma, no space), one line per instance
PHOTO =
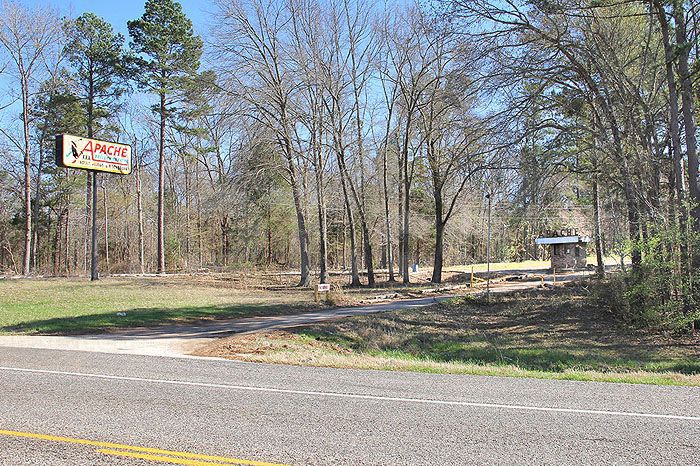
63,306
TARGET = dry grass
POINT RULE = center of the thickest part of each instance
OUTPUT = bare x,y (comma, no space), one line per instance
559,335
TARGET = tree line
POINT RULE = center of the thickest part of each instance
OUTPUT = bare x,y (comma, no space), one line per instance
343,134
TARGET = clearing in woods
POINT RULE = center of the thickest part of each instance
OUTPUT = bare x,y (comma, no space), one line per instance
75,305
69,306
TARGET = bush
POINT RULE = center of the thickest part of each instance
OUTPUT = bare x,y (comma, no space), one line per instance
661,293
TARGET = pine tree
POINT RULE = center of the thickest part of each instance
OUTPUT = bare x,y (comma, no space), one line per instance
167,55
97,57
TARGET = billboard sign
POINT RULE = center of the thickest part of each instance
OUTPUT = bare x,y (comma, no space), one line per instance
92,154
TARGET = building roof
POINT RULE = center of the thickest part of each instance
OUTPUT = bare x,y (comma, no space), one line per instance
563,240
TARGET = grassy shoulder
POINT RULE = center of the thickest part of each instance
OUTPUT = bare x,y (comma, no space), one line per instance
561,334
69,306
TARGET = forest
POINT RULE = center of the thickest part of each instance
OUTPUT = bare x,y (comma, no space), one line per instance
359,136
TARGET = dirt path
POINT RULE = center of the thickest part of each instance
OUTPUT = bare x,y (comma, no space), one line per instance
182,340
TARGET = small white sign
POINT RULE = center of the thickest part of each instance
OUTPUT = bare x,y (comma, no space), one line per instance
324,287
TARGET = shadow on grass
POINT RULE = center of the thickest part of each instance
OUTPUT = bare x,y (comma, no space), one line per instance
556,359
155,318
537,331
486,352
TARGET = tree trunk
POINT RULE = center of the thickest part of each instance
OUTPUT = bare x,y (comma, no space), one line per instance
224,239
27,177
673,104
366,239
198,198
406,210
106,226
161,188
188,219
387,218
406,197
439,247
268,212
600,268
139,208
354,273
683,50
67,239
360,197
597,226
87,219
630,194
322,223
94,274
305,264
56,250
440,222
37,203
400,214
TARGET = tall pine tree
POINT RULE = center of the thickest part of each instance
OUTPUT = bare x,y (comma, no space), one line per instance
167,54
96,54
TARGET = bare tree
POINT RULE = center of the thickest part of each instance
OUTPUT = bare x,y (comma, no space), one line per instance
411,65
253,41
25,37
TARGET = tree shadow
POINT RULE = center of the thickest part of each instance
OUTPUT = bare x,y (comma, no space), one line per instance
178,321
537,331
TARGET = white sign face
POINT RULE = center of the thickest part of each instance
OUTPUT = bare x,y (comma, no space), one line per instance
324,287
93,154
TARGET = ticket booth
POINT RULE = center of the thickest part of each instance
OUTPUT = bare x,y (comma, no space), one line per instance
568,251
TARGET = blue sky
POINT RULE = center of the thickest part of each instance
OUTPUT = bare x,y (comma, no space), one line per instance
115,12
118,12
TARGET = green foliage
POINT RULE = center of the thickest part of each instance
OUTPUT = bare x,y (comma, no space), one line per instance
56,110
97,56
167,52
663,292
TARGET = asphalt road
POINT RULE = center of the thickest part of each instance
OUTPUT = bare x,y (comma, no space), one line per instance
300,415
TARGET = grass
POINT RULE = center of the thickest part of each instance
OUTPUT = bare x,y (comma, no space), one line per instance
72,305
64,306
561,334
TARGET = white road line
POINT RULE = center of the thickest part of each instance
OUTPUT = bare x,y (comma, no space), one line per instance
357,396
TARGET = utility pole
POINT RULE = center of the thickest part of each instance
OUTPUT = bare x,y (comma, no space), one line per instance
488,252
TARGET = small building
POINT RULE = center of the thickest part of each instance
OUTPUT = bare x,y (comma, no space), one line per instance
567,248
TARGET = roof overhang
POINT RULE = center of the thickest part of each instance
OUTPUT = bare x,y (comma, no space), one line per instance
563,240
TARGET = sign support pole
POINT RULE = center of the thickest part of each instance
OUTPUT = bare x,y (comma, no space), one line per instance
93,155
94,273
